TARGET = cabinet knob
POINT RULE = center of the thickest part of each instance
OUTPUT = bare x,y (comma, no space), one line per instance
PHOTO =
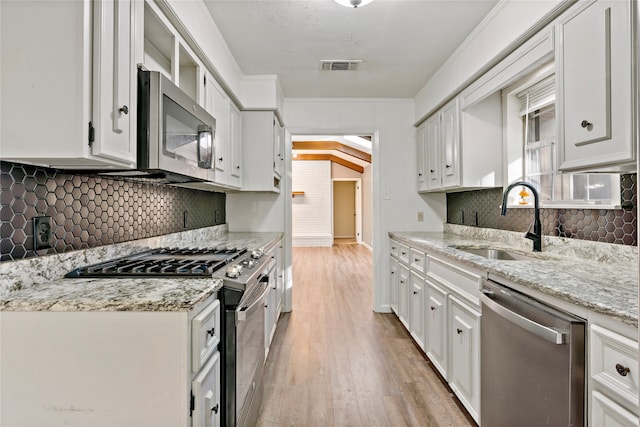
220,159
419,174
459,331
215,409
622,370
448,166
124,109
416,260
415,292
403,253
238,167
432,171
211,331
432,308
401,281
585,124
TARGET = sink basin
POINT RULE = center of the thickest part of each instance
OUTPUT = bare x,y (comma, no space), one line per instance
500,254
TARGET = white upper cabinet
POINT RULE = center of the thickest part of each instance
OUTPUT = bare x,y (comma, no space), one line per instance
115,50
461,149
218,105
263,157
432,152
235,148
450,136
596,86
421,141
68,90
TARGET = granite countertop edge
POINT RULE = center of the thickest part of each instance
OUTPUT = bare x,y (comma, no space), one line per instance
119,294
551,274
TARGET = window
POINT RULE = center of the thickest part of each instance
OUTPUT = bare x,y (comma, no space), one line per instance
538,120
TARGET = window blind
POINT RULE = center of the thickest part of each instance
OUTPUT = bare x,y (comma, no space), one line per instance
539,95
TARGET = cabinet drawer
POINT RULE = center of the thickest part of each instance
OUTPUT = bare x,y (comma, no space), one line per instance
206,395
394,248
205,335
463,282
403,253
606,413
614,366
417,259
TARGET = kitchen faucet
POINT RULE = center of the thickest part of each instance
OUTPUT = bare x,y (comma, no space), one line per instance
536,236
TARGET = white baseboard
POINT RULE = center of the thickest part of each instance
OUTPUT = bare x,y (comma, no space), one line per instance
312,241
367,246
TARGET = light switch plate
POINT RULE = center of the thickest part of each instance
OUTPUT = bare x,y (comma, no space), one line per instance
420,216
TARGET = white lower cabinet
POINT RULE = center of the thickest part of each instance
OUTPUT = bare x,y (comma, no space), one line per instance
436,345
613,378
416,308
403,295
393,284
206,395
464,347
606,413
97,368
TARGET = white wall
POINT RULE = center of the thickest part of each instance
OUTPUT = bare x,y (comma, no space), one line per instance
395,198
339,171
508,25
367,207
311,213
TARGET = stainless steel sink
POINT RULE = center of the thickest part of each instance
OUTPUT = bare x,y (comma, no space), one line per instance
500,254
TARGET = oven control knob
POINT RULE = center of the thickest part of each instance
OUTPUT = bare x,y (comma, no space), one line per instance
234,271
256,254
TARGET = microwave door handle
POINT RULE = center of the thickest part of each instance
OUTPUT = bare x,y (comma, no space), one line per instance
205,146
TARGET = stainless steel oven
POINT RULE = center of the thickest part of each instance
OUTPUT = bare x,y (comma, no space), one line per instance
244,297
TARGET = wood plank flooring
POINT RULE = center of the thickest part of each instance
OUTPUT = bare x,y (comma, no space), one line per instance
334,362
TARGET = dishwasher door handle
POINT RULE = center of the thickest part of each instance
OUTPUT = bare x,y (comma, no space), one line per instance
542,331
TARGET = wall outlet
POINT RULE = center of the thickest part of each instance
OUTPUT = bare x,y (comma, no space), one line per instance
420,216
42,232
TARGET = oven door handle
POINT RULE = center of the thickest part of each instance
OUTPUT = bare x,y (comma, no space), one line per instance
542,331
244,311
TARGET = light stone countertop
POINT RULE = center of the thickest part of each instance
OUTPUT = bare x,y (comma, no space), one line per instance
604,281
38,284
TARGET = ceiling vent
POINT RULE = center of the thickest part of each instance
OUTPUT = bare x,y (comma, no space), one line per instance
340,64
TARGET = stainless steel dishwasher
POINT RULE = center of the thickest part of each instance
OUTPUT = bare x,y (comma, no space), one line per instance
532,362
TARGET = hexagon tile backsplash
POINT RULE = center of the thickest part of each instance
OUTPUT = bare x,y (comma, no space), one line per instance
482,208
89,211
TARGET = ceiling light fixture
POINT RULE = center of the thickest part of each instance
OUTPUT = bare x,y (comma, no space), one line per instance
353,3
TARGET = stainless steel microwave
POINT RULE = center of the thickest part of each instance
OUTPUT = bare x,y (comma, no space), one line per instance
175,134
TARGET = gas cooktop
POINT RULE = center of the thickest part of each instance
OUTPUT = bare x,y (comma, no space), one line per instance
162,262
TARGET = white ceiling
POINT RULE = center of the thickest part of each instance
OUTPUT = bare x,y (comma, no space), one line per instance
401,42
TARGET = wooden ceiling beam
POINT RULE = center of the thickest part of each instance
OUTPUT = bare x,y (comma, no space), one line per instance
331,157
332,145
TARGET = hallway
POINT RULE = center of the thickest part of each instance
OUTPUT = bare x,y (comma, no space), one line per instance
334,362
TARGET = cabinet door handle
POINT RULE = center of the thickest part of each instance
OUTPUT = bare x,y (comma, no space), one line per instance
124,109
459,331
215,409
622,370
585,124
433,308
416,260
211,331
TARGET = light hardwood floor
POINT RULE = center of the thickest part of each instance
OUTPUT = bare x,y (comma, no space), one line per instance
334,362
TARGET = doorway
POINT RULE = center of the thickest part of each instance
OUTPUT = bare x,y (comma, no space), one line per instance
347,211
